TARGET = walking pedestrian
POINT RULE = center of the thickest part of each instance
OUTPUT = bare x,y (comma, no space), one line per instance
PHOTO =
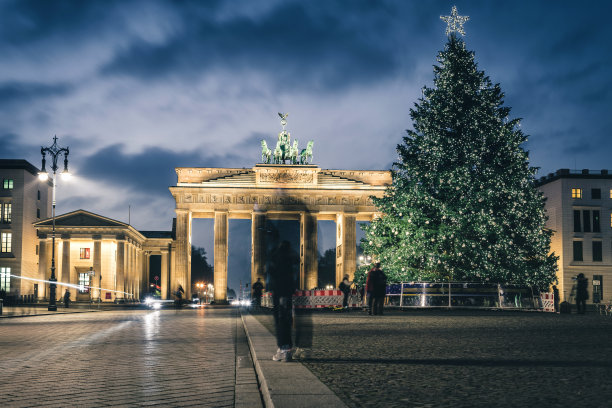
283,283
257,292
582,293
379,288
345,288
179,296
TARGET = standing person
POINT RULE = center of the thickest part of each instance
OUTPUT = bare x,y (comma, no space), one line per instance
345,287
582,293
556,298
179,296
257,291
282,284
67,298
370,291
379,288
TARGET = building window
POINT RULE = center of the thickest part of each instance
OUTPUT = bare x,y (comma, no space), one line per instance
38,213
6,244
577,250
597,251
39,194
84,253
596,227
83,282
611,193
36,249
5,279
577,221
586,218
8,184
7,210
596,193
576,193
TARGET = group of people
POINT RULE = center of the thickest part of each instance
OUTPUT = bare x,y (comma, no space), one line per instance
375,290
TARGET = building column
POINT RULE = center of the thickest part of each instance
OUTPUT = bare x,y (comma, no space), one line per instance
97,267
182,273
346,241
163,283
309,268
220,254
66,278
120,270
43,266
258,247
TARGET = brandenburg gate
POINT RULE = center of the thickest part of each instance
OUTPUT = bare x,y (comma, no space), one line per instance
296,191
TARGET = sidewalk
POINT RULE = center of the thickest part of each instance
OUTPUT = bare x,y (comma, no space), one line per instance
284,384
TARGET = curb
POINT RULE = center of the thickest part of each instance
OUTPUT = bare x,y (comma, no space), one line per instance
263,385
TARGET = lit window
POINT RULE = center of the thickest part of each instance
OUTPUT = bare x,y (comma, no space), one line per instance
576,193
611,193
84,253
5,279
8,184
83,282
6,244
7,212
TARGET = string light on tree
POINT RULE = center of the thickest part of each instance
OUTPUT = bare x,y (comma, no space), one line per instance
454,22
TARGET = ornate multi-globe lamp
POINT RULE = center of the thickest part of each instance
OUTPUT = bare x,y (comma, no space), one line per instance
54,151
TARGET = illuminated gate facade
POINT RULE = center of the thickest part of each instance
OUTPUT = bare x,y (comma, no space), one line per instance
304,193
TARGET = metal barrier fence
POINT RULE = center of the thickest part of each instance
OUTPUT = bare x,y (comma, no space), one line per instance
431,294
462,294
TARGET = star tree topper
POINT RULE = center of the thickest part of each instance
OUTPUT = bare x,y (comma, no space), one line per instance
455,22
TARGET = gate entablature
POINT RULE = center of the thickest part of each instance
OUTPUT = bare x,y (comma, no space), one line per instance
275,191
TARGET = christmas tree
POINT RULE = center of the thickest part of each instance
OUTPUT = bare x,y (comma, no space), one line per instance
463,204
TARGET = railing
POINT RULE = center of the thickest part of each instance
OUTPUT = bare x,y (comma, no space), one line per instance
462,294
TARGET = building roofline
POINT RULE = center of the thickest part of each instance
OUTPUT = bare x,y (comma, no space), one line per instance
573,174
19,164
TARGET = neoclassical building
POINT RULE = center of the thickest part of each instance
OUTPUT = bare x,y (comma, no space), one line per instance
116,253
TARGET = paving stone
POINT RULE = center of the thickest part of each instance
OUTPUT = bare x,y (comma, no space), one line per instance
436,358
124,358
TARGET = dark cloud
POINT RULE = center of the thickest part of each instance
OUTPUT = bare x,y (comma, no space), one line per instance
12,93
150,171
295,46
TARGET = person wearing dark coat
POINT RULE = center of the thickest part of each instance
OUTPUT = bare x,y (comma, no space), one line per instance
378,281
67,298
369,291
283,283
257,291
582,293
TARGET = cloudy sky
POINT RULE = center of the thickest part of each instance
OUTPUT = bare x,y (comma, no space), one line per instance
137,88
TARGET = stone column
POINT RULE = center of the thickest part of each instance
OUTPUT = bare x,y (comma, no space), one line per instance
120,269
258,247
309,268
97,266
43,267
182,275
164,273
66,278
220,272
346,241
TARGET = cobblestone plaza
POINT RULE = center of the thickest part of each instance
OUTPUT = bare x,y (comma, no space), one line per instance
201,357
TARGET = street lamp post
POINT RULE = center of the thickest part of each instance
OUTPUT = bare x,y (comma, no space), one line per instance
54,152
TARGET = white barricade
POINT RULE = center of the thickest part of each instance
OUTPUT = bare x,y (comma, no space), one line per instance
548,301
